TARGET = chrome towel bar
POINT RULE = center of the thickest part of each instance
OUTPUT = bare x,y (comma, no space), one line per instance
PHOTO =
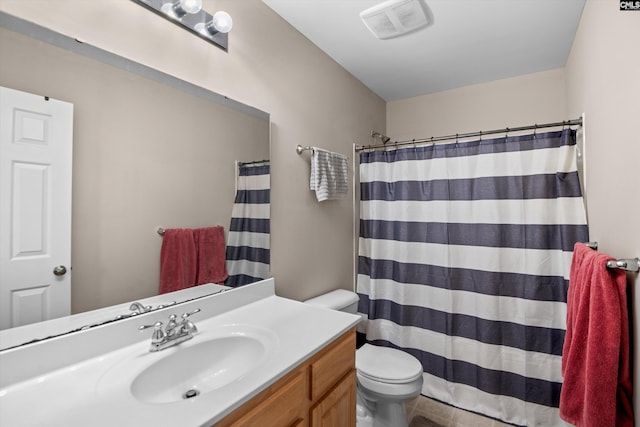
632,264
629,264
300,149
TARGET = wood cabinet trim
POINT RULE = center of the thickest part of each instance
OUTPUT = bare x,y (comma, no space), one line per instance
263,397
337,404
328,369
284,407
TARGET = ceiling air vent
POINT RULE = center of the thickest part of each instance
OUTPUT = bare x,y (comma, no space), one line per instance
393,18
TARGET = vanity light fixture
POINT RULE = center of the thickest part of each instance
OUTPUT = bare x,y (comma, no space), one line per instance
221,22
189,15
179,8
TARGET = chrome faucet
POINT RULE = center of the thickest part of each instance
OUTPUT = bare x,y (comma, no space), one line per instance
174,333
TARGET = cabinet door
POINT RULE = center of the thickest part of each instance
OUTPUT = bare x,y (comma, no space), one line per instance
338,407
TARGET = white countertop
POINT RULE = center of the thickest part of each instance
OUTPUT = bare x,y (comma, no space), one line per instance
26,333
75,394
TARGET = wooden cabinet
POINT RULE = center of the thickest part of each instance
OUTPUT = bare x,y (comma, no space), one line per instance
338,407
320,392
282,408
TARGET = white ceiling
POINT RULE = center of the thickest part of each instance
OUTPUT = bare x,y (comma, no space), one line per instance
469,42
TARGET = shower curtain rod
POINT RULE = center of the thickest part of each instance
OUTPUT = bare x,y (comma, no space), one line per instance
575,122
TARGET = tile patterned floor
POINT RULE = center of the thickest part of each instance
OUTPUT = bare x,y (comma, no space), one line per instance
420,421
425,412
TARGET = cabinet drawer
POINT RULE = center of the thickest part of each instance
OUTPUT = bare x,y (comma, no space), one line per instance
283,408
333,365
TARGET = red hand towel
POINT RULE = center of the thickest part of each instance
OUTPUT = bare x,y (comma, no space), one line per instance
596,390
212,264
177,260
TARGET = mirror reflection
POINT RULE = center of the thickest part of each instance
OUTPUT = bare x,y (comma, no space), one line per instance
149,151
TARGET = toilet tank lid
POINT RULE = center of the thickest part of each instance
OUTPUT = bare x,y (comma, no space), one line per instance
335,300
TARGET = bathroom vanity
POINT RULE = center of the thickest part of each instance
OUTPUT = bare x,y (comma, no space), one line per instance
321,391
256,359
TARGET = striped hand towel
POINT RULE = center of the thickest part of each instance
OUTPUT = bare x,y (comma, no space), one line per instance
328,174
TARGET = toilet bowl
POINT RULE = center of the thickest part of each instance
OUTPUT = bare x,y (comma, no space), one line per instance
387,377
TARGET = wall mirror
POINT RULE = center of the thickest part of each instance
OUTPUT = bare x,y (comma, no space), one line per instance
149,151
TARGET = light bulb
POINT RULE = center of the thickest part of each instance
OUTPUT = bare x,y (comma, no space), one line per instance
169,10
222,22
191,6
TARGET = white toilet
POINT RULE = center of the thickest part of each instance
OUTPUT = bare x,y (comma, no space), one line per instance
386,377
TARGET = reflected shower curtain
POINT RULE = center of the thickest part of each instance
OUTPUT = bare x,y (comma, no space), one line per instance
248,250
464,258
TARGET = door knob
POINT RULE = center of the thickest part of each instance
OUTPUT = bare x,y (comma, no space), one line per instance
60,270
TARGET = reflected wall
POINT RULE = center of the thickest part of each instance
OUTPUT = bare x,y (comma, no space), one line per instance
145,155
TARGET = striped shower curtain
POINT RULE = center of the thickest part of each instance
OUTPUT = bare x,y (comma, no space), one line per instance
464,257
248,250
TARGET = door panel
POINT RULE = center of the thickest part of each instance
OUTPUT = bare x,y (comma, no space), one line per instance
35,207
29,213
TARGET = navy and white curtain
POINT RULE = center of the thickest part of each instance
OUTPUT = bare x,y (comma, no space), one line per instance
464,260
248,250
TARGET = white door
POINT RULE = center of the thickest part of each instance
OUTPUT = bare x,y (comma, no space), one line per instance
36,136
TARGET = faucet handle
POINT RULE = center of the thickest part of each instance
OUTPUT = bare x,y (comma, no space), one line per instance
187,325
186,315
158,334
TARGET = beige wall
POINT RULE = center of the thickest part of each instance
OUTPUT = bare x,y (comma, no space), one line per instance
517,101
145,155
603,82
311,99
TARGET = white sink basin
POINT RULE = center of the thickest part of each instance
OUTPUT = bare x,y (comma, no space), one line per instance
208,362
198,369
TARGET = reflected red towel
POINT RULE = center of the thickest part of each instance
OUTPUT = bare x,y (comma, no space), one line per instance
178,260
211,248
597,389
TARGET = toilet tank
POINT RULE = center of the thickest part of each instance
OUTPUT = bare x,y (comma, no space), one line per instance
340,299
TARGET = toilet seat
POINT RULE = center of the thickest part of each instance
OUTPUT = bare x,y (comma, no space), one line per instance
387,365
